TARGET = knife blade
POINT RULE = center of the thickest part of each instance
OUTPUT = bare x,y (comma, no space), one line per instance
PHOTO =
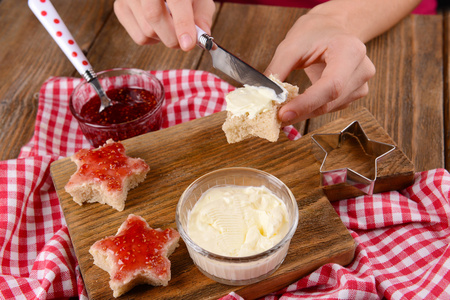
235,67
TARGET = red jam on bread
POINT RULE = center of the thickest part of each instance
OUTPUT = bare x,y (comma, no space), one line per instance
136,254
105,175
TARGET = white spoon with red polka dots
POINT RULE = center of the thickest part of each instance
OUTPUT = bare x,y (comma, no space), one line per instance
49,17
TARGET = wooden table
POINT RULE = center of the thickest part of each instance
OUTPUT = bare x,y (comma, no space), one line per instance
409,95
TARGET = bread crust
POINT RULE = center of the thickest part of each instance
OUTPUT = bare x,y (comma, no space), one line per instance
105,259
86,189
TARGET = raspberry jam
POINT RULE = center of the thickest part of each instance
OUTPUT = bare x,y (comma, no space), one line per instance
108,164
134,111
128,104
137,247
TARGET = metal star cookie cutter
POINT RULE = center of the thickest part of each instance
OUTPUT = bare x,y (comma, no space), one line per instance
349,157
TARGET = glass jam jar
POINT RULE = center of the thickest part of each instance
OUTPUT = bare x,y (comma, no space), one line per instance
137,97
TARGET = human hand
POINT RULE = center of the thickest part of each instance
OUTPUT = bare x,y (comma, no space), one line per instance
149,21
334,60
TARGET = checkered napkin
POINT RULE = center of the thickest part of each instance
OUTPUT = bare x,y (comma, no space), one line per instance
402,236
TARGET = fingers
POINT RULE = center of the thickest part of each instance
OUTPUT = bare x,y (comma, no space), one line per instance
302,46
149,21
125,15
325,95
146,21
186,15
284,60
203,14
335,105
183,23
344,70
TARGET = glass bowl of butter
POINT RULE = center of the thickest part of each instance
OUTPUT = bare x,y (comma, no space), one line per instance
237,224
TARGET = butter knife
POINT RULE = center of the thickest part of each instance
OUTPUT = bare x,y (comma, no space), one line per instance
235,67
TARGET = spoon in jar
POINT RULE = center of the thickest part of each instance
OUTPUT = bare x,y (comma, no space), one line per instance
49,17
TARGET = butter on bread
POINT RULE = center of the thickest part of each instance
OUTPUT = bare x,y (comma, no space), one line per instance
264,124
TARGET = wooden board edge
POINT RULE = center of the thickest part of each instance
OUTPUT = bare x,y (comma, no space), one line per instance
273,284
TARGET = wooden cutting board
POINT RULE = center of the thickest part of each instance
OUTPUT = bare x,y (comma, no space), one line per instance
180,154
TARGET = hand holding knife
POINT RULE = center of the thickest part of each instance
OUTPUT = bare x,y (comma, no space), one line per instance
233,66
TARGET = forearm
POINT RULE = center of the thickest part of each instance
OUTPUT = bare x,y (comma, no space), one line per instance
366,19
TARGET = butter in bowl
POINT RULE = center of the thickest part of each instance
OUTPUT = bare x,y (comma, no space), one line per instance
237,224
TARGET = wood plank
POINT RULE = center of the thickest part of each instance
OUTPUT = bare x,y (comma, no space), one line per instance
177,160
29,56
406,93
446,64
256,39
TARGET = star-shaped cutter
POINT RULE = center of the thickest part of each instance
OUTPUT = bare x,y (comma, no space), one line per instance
323,144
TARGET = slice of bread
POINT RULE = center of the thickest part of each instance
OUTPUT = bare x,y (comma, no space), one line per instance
137,254
265,124
105,175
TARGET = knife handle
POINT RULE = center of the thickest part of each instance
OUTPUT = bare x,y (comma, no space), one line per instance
203,39
200,33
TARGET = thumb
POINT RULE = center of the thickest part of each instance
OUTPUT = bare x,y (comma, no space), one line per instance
278,67
283,61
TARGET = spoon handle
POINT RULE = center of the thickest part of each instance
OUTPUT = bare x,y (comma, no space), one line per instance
49,17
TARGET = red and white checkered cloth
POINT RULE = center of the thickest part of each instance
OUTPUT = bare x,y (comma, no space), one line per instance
402,237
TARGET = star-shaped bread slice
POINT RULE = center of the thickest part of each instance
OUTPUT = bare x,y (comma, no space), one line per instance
137,254
105,175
